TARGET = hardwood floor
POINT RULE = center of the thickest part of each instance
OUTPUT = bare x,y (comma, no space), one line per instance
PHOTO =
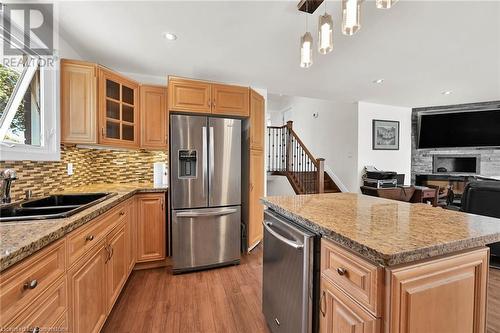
493,322
218,300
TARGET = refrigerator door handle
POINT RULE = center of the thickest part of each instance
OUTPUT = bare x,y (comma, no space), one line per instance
211,152
204,158
214,213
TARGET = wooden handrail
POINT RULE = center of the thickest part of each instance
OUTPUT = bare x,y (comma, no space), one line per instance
292,158
296,137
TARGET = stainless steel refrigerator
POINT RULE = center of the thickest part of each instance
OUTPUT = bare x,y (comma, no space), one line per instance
205,185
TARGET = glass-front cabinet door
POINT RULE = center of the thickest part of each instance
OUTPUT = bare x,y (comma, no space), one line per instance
119,108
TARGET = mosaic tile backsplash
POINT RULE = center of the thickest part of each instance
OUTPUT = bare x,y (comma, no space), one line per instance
89,166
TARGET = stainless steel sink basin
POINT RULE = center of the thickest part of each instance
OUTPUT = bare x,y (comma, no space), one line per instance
50,207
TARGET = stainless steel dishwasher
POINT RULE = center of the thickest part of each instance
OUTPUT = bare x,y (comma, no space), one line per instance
290,276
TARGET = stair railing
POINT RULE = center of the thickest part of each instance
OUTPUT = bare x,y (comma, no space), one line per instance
288,155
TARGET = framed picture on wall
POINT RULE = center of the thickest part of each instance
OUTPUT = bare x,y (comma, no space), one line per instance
385,135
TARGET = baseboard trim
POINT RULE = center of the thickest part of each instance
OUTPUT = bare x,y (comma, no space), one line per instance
153,264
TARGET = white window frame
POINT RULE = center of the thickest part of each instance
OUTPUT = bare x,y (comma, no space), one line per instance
49,150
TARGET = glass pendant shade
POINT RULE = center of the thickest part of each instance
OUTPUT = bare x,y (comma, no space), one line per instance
385,4
351,11
306,48
325,34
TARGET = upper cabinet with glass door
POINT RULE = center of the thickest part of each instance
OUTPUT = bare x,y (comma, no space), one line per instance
118,110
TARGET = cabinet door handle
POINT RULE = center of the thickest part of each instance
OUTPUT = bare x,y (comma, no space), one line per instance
109,253
122,213
213,104
161,203
323,301
30,284
35,330
89,238
341,271
102,131
208,104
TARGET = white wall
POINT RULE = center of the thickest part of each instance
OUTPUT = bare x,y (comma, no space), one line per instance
332,135
391,160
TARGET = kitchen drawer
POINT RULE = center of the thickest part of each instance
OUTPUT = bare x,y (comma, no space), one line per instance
85,237
25,281
340,314
45,311
358,278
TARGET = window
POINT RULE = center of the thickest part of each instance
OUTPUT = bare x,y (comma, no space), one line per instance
28,109
20,117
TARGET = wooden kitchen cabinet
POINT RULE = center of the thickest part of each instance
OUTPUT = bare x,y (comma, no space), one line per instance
193,96
256,188
189,96
151,227
340,314
257,118
24,285
154,117
117,264
118,110
441,295
88,300
229,100
78,102
46,311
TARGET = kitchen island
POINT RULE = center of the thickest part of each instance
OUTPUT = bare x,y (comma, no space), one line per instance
390,266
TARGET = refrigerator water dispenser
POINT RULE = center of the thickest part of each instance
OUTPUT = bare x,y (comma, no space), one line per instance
187,163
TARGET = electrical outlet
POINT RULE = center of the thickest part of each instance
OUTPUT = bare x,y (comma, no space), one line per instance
70,169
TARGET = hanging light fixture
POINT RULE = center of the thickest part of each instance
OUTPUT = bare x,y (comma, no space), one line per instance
351,10
325,33
306,48
385,4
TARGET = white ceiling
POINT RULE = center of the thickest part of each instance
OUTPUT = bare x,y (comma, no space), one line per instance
420,48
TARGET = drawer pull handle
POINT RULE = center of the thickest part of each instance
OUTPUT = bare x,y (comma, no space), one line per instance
109,253
323,301
122,213
341,271
30,284
89,238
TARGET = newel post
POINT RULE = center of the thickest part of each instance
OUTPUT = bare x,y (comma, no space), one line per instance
321,175
289,159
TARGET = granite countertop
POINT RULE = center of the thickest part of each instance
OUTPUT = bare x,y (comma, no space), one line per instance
20,239
387,232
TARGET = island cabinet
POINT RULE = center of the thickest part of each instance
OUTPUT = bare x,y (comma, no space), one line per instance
194,96
443,294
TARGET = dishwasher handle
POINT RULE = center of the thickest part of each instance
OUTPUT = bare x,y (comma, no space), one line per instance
295,245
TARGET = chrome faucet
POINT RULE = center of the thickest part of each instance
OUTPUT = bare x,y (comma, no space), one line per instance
7,176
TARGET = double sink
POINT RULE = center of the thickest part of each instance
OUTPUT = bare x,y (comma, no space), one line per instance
53,206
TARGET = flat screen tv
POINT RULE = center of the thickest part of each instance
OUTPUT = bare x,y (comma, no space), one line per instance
459,129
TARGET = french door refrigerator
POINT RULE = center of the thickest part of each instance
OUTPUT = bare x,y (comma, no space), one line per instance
205,163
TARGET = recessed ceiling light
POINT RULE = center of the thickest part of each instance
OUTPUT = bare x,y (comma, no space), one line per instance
379,81
447,92
169,36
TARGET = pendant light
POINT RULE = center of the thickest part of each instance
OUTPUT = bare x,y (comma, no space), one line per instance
351,16
325,33
385,4
306,48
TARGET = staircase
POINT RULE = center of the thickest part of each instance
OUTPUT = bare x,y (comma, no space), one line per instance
288,156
